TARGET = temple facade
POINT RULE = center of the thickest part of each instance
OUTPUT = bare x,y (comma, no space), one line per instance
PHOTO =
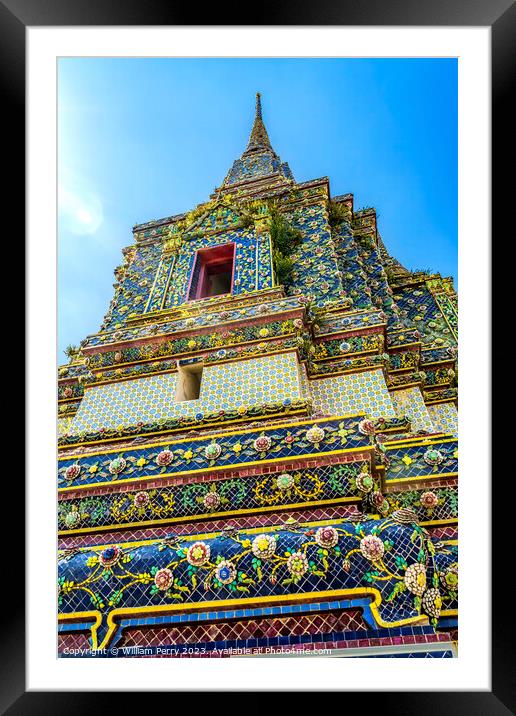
258,449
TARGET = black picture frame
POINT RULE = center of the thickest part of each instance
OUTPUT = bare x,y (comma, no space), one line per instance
500,15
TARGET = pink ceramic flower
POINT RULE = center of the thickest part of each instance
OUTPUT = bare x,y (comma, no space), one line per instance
165,457
198,554
211,500
72,471
326,536
372,547
163,579
378,499
366,427
429,500
262,443
141,499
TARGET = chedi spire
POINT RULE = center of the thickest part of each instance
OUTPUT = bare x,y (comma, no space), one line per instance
258,163
259,139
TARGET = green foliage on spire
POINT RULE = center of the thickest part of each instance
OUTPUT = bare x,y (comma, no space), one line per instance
285,240
70,351
283,266
338,213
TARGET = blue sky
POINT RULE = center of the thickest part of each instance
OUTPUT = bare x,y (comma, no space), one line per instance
140,139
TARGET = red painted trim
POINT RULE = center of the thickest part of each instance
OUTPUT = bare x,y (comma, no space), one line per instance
223,256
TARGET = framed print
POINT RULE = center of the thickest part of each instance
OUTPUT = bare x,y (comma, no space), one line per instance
271,430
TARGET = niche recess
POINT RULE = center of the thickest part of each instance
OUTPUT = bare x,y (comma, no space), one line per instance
188,386
213,272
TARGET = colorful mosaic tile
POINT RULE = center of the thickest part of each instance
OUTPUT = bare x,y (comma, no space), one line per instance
223,387
314,624
351,267
235,309
204,499
254,522
135,284
353,393
316,272
429,504
444,417
254,167
345,557
270,379
410,402
419,305
63,425
189,455
431,459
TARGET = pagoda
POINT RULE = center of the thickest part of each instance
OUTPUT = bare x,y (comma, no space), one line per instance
258,449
